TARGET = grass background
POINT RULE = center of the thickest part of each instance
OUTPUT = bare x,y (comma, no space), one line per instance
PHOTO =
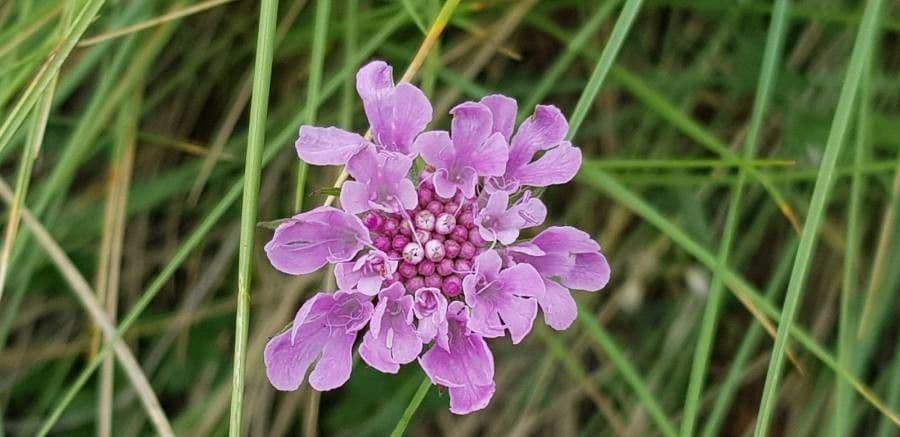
741,173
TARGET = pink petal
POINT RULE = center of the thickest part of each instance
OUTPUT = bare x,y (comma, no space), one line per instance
355,197
327,145
546,128
590,273
558,306
436,148
471,125
557,166
504,110
468,399
333,368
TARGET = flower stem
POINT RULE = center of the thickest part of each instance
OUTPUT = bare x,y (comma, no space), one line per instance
262,72
412,407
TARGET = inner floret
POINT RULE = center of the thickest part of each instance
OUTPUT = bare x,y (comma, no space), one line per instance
434,243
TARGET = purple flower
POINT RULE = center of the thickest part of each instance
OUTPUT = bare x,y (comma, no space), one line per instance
466,367
504,299
566,258
396,115
430,307
392,339
323,332
497,223
366,273
439,251
308,241
470,150
381,182
544,131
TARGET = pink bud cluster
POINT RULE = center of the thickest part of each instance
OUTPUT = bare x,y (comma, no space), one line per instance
435,242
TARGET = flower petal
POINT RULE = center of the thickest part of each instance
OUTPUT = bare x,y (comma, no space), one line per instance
436,148
287,363
327,145
546,128
355,197
558,306
314,238
557,166
504,110
590,273
489,157
333,368
468,399
471,125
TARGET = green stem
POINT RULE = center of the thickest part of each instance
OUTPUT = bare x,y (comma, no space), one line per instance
262,72
412,407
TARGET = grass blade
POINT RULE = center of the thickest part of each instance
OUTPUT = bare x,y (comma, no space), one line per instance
317,59
607,57
262,73
628,372
862,49
48,71
774,43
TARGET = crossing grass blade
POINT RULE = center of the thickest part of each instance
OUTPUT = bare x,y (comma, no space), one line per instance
709,322
862,50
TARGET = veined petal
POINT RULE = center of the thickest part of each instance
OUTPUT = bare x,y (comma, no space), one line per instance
558,306
472,124
546,128
557,166
312,239
503,110
327,145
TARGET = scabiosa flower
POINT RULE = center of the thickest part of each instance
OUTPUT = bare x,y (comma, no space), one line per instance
430,267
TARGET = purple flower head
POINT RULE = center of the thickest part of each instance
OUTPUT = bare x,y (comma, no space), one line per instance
381,183
566,258
396,115
367,273
470,150
440,251
497,223
323,332
392,340
544,131
308,241
502,299
430,307
466,367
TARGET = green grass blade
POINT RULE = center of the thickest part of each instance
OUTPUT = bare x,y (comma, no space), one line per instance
628,372
48,71
600,180
847,317
862,49
774,43
262,75
607,57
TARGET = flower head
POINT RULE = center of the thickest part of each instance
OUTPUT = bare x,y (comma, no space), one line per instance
441,251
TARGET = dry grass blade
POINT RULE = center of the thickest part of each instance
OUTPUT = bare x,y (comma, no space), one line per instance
174,15
87,298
